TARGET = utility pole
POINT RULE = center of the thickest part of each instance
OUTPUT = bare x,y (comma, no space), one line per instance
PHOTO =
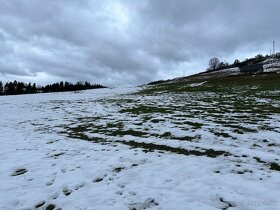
273,47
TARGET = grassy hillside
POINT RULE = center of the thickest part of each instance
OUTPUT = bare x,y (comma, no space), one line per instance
268,81
229,109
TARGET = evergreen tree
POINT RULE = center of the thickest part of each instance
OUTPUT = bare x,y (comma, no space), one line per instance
1,88
16,87
61,86
10,88
20,88
28,88
34,88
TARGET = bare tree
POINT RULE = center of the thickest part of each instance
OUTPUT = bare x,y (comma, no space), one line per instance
213,63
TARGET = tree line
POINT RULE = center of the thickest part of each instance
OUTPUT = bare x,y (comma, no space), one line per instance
215,64
15,88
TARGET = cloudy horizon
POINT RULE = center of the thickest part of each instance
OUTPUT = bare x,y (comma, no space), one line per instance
124,42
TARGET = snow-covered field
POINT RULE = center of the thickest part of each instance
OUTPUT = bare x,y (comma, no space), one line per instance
120,149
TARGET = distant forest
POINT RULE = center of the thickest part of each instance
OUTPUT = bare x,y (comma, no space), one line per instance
15,88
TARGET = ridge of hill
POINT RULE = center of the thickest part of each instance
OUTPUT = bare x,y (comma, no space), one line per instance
271,65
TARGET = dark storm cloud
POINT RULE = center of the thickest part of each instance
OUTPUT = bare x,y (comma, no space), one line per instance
128,42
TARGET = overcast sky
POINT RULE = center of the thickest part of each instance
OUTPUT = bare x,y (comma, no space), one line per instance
121,42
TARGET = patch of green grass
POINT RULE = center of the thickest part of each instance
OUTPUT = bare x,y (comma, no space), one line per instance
240,129
259,160
50,207
157,120
195,125
222,134
166,135
187,138
150,147
118,125
128,132
142,109
275,166
240,83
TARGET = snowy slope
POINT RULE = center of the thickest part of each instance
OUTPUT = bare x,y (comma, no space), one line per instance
64,150
271,65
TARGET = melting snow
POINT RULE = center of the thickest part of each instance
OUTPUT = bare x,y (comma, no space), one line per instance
66,150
